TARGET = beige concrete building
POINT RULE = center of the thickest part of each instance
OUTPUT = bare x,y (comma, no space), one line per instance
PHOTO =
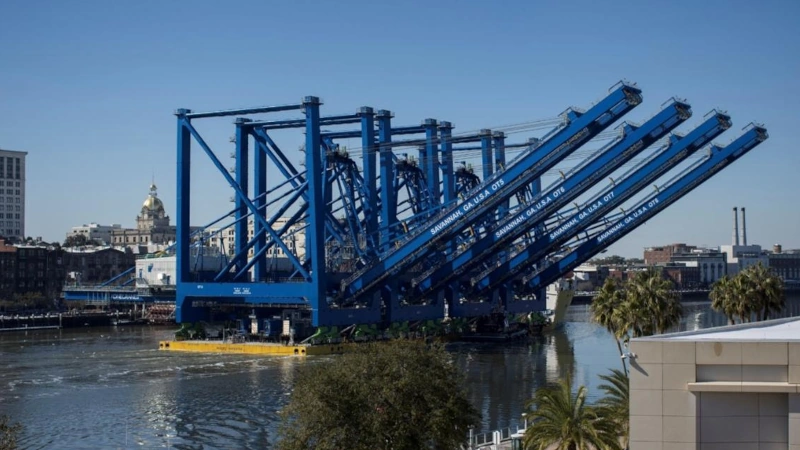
727,388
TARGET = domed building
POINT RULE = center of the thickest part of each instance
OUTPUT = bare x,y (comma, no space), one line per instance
152,224
153,214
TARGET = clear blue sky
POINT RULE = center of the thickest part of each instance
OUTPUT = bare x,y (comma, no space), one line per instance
88,88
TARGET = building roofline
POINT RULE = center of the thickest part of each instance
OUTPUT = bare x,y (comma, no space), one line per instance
13,151
683,335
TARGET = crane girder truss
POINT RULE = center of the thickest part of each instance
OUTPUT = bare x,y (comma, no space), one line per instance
378,234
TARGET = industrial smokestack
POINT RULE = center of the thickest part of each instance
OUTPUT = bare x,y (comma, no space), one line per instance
735,226
744,229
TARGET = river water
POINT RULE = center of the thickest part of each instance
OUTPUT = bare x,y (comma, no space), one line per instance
109,388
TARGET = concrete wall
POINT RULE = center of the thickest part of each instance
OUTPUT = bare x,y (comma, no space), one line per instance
715,395
743,421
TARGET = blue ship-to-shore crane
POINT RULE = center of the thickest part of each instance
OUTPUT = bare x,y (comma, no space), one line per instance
495,190
633,141
676,151
717,159
390,237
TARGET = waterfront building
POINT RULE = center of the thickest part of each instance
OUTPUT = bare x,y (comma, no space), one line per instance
683,276
741,257
663,254
723,388
93,265
589,277
711,264
785,264
102,234
30,269
12,194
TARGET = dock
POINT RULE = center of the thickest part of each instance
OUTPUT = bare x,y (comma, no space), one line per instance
27,328
251,348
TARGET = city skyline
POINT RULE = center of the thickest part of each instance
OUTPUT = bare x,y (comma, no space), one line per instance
109,80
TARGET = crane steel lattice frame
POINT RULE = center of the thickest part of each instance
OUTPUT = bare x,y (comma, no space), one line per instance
310,292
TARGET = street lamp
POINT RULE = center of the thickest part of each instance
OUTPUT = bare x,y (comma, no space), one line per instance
525,421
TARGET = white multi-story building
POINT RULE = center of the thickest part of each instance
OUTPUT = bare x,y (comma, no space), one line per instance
95,232
294,239
741,257
12,193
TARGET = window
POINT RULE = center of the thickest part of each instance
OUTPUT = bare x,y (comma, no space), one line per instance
10,199
9,183
17,207
17,199
17,192
17,184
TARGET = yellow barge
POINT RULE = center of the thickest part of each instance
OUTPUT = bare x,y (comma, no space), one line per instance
251,348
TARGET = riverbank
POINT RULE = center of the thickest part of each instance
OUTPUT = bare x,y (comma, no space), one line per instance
55,320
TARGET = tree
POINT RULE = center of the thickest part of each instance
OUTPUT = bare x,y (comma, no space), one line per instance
398,394
647,304
615,405
753,291
79,240
8,433
766,289
604,309
723,298
565,420
651,304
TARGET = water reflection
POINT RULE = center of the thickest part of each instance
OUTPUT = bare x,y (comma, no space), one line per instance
111,388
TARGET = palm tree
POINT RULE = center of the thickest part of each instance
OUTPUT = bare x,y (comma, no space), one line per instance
723,298
605,306
653,304
766,290
614,406
564,420
743,294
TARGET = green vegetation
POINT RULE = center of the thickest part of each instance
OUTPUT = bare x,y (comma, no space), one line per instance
9,433
614,407
616,260
754,291
79,240
645,305
397,394
191,331
563,420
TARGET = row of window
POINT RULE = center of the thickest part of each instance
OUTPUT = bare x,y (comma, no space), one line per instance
10,191
10,232
139,239
10,184
9,216
10,207
10,200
